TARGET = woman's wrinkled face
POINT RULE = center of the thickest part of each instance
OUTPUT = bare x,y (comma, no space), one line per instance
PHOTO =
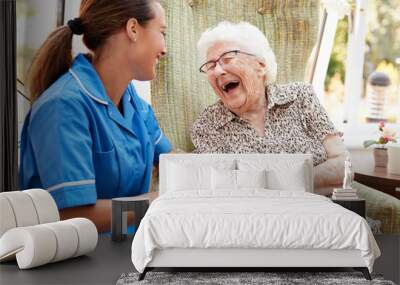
237,80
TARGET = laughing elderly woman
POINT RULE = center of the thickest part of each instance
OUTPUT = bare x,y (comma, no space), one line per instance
255,115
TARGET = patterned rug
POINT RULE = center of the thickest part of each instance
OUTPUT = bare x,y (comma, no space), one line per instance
270,278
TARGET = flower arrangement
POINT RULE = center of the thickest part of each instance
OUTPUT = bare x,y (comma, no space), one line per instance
386,135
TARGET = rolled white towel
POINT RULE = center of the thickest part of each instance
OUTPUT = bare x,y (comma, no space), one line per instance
87,235
67,240
40,244
7,218
24,211
33,246
26,208
45,205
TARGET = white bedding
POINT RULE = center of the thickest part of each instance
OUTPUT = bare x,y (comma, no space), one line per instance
252,218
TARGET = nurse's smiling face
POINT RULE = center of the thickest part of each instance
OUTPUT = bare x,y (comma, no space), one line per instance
149,44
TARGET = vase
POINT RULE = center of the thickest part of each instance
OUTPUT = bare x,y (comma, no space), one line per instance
394,159
380,157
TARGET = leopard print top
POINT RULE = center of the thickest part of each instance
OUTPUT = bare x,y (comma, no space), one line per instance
295,122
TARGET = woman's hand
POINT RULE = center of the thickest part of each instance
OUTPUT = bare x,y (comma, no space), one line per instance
329,174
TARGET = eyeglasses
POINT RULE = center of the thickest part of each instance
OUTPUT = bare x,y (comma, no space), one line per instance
224,59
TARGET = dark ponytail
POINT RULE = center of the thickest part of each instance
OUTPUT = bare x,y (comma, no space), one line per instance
98,19
52,60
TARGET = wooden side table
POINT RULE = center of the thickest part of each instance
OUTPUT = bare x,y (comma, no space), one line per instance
356,206
120,207
378,178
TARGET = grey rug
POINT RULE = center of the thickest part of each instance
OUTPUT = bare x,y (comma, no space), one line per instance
229,278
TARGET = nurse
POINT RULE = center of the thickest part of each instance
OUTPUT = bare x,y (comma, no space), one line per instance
89,137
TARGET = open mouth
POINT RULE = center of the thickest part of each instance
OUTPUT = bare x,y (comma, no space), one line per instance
230,85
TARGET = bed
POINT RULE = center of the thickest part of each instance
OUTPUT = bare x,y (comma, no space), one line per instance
246,211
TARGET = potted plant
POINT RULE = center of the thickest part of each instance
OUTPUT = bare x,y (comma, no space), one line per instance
380,152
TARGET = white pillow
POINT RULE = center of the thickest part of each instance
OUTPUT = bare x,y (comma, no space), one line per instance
188,177
281,174
251,178
236,179
223,179
291,181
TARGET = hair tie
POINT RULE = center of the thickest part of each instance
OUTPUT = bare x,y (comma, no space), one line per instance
75,25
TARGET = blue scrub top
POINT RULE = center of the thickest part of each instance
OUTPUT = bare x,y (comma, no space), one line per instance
76,143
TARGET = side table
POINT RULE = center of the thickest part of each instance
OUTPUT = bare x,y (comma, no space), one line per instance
356,206
378,178
120,207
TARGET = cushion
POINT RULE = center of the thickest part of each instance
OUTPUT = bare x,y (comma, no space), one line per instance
282,174
188,177
187,174
223,179
251,179
293,181
237,179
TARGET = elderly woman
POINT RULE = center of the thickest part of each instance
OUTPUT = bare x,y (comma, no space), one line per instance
255,115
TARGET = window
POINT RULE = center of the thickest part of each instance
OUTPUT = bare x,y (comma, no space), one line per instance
380,99
35,20
362,84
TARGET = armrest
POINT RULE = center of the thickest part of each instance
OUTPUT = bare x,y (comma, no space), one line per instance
381,206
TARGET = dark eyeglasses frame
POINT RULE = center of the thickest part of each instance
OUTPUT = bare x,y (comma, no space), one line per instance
219,58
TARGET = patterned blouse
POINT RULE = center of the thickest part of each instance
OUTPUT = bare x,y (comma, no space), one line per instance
295,122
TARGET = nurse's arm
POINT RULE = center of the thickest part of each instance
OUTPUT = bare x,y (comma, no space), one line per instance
154,179
99,214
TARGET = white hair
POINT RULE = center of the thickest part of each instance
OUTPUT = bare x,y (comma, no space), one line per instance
247,36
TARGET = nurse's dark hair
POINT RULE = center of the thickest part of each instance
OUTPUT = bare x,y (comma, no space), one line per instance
99,19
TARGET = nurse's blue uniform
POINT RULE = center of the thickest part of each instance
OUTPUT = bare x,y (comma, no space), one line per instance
76,143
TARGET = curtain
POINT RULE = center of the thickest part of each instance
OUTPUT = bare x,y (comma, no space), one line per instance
8,99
